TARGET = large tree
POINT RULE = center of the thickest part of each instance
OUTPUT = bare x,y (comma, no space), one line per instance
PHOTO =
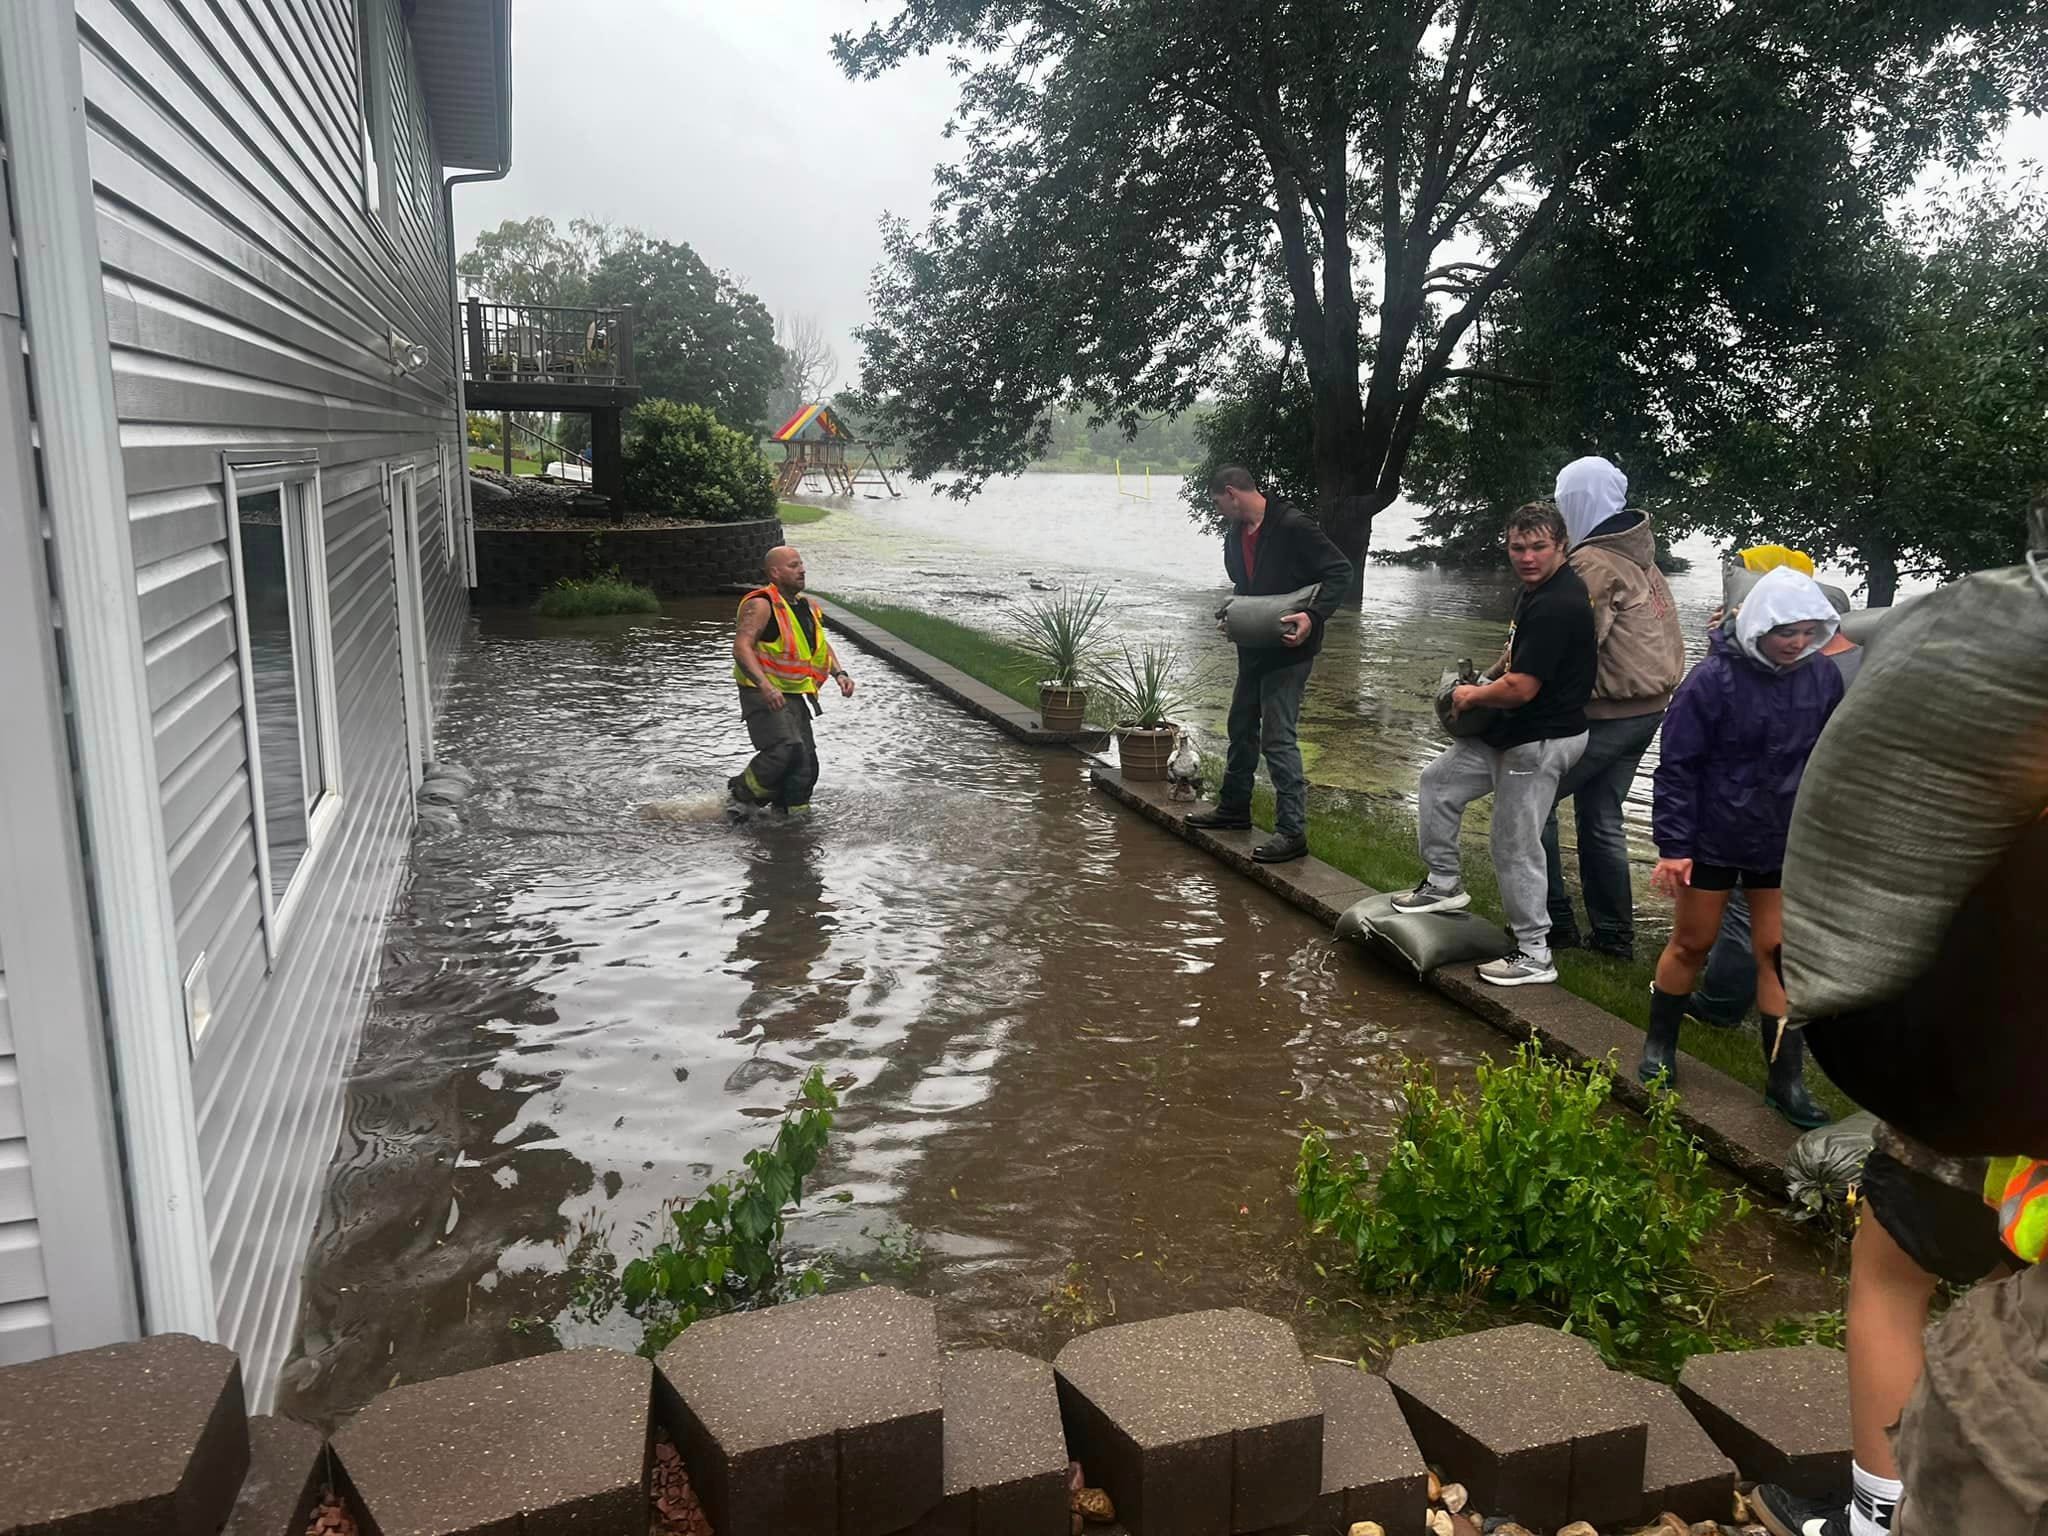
1139,176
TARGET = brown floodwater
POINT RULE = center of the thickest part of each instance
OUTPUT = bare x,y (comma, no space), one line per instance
1074,1054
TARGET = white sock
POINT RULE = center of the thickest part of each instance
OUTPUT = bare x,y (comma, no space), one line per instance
1876,1498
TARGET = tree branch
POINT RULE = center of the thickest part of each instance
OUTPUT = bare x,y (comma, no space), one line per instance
1495,376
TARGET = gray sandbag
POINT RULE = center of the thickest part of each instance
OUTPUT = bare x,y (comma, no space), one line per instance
1423,940
1737,580
1863,626
1255,621
1474,722
1825,1167
1929,772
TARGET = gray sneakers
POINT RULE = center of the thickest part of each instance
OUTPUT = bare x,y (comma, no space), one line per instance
1517,970
1427,898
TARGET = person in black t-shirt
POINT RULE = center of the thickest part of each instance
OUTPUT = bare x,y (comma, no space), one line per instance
1541,732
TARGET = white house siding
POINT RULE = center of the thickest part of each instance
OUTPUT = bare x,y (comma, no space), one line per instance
25,1329
249,297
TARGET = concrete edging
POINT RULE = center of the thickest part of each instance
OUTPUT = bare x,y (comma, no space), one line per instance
1728,1118
1018,721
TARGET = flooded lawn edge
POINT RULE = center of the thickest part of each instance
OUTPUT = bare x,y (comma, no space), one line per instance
1598,1010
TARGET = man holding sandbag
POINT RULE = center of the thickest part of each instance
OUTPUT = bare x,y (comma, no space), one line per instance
1271,550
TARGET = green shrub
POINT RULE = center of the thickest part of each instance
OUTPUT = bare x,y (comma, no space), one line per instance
1536,1195
678,458
724,1253
589,596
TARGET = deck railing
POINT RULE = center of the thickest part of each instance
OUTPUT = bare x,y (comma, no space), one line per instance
547,344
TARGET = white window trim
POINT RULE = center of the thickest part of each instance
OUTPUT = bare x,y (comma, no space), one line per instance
448,520
296,474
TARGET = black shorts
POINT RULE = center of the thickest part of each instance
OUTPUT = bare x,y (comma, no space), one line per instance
1949,1232
1725,877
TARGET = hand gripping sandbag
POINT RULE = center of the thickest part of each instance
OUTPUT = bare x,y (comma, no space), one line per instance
1423,940
1475,721
1932,768
1255,621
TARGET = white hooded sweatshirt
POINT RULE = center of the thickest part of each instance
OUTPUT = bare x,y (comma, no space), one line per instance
1784,595
1589,491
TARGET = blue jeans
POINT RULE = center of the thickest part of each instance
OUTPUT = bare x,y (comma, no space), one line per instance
1726,989
1598,787
1265,713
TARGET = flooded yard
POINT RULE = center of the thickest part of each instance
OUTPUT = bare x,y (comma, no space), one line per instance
1074,1054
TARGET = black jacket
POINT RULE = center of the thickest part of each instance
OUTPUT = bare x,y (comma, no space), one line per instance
1293,552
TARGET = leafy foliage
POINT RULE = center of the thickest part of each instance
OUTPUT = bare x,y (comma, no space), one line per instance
1146,687
699,337
607,592
1062,635
1534,1194
679,457
1138,191
725,1253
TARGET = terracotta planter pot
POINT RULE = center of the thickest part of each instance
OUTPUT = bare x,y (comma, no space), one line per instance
1061,708
1144,752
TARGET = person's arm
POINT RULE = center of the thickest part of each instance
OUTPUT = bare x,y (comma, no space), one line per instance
1602,586
1533,658
1318,560
839,673
754,617
1685,740
1511,690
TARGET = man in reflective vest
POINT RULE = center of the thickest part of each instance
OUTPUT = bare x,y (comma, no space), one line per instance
780,658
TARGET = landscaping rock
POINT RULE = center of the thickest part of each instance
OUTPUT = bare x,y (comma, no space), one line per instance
817,1418
1684,1472
287,1472
1206,1424
1782,1415
1005,1454
1533,1424
149,1438
551,1446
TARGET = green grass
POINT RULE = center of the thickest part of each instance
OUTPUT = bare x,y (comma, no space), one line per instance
597,595
1375,844
795,515
490,458
985,657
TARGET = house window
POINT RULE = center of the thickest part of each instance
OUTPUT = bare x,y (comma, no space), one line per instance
380,110
286,650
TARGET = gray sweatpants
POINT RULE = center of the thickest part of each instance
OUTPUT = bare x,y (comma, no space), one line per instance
1523,782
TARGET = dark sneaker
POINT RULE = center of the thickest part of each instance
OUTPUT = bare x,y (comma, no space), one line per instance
1565,938
1787,1514
1427,898
1612,950
1280,848
1221,818
1518,970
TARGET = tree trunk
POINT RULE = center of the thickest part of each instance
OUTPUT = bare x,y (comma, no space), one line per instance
1881,573
1346,498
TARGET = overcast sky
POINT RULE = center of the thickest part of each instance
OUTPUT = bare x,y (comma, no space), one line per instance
726,124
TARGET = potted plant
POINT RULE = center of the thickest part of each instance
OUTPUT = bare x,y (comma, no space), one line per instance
1062,636
1147,692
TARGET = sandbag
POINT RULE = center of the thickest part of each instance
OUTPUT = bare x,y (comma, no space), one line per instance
1825,1167
1423,941
1255,621
1864,625
1929,772
1474,722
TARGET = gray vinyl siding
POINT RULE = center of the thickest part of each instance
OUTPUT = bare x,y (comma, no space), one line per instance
249,296
25,1327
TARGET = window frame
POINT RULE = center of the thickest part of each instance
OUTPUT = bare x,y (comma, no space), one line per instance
296,478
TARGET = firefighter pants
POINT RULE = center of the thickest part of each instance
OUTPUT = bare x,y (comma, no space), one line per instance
785,765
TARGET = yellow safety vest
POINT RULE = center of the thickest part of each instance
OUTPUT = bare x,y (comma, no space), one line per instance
2018,1187
793,663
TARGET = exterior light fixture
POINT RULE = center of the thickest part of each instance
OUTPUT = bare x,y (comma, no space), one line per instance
407,355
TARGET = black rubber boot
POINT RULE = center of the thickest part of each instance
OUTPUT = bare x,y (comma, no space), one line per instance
1660,1043
1785,1088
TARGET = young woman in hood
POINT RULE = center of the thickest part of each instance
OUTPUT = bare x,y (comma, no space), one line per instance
1735,744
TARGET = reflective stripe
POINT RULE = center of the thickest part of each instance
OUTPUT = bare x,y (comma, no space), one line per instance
793,663
2018,1186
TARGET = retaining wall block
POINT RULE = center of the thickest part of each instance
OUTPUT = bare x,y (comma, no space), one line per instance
816,1418
287,1472
1206,1424
1530,1421
1683,1470
1006,1454
149,1438
555,1445
1781,1415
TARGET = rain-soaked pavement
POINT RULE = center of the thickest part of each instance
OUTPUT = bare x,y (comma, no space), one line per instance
1075,1054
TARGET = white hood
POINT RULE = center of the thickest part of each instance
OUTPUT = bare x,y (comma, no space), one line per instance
1783,596
1589,491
